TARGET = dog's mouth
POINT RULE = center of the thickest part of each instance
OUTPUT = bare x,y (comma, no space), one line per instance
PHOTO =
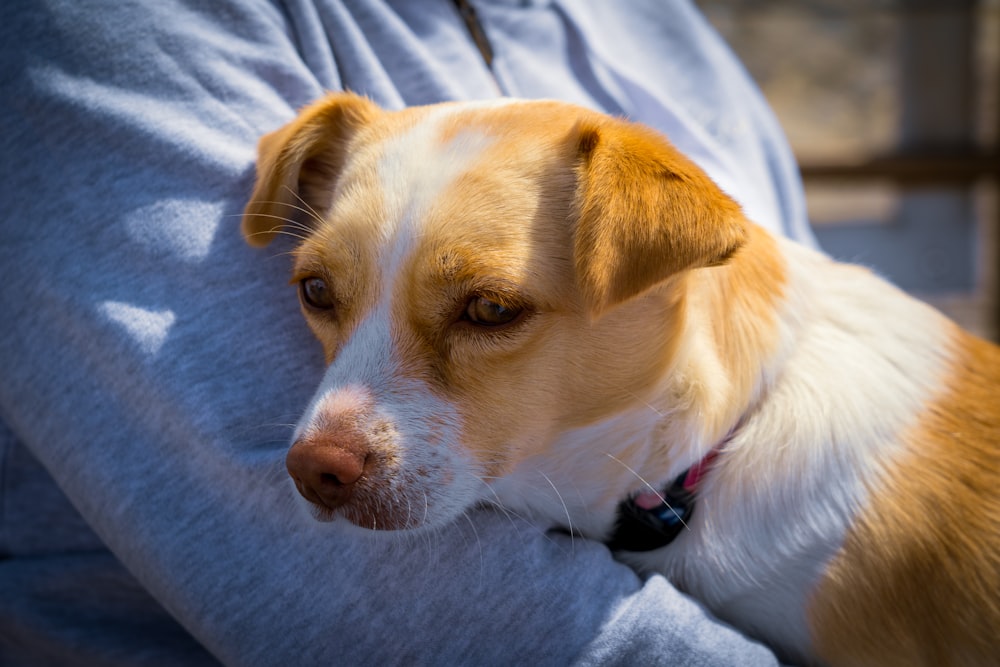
367,516
371,510
356,460
359,490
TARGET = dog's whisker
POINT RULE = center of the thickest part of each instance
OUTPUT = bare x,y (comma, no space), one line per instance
479,545
285,222
489,487
294,252
427,507
276,472
409,513
650,487
499,504
649,405
290,234
569,519
280,232
283,219
308,209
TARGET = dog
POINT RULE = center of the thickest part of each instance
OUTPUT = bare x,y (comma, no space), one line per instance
534,304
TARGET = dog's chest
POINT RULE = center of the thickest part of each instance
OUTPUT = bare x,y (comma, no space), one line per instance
758,576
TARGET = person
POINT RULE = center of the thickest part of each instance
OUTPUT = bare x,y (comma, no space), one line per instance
153,363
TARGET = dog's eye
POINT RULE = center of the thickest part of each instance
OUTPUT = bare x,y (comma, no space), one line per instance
488,313
315,293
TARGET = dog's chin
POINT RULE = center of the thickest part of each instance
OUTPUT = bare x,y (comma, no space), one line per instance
374,525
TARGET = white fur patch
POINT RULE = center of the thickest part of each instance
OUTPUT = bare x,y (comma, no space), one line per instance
424,472
424,477
409,187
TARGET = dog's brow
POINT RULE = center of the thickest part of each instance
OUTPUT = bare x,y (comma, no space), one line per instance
475,277
450,265
411,186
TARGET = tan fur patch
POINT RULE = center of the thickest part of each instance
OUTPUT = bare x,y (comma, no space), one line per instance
918,579
733,309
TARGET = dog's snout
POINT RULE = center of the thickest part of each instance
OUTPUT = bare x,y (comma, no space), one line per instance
326,471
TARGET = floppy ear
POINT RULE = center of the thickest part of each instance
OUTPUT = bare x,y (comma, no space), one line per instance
298,165
644,213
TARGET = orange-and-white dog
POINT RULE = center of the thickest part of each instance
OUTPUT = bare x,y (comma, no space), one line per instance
536,304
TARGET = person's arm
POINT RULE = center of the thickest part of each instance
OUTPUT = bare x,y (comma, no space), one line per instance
153,363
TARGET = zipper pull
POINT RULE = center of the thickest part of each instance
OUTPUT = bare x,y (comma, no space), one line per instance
468,13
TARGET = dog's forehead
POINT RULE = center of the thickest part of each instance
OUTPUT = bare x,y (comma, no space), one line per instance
416,163
474,172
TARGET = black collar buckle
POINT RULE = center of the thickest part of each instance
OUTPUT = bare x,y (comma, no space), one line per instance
642,529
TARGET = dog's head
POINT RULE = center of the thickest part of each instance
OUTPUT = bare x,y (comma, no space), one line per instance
482,277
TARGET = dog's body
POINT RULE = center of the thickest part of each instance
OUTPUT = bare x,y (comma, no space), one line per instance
534,304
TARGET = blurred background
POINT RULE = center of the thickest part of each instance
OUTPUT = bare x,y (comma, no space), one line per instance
891,107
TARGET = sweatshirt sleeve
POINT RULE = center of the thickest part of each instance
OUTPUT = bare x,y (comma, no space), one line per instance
154,364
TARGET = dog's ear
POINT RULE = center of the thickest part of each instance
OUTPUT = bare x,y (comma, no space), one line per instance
298,165
643,213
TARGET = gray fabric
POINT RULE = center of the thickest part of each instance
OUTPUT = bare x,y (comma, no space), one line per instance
152,363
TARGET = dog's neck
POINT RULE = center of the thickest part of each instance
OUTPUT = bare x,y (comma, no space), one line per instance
734,335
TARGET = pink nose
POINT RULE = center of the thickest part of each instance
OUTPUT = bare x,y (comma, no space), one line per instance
326,471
